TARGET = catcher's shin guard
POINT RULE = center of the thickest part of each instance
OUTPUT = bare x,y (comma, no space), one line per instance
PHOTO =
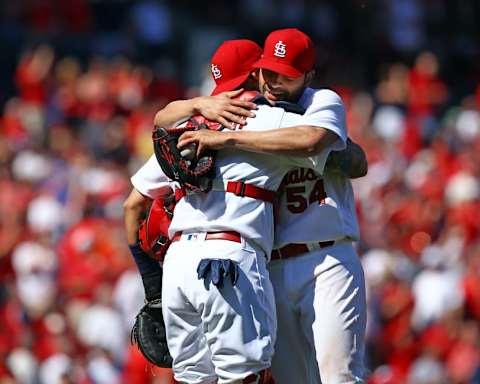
262,377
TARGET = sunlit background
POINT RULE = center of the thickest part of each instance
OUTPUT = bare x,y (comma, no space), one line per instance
80,81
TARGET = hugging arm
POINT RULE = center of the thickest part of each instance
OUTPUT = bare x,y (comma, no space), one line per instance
222,108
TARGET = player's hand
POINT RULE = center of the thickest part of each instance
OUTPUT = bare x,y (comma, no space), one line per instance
202,140
225,110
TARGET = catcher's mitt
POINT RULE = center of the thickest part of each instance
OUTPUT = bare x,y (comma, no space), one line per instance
148,334
194,174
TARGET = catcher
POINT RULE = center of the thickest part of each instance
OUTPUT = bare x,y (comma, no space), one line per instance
147,215
152,241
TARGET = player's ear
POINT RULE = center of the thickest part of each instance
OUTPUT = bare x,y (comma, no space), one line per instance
252,81
309,76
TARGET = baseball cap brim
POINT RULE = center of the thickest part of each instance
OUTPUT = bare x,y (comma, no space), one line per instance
275,66
231,84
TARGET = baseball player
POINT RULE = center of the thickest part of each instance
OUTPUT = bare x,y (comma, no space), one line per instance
221,107
316,273
224,109
224,329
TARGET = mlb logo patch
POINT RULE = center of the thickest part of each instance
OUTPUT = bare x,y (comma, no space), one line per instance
196,236
217,74
280,49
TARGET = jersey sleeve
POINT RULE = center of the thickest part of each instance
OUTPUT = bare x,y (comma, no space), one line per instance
268,117
316,162
327,110
150,180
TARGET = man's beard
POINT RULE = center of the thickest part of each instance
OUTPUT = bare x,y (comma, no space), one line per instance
282,95
274,96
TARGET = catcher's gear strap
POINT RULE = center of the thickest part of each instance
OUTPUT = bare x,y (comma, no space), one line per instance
153,231
161,241
238,188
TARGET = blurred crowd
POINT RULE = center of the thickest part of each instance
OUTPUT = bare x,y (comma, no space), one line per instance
69,139
418,210
77,104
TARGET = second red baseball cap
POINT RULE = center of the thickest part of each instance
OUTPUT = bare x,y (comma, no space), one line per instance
289,52
232,63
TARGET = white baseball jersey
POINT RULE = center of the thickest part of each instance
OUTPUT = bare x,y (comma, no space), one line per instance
320,295
220,211
313,208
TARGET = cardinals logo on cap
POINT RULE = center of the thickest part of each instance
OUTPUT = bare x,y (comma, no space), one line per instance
280,49
216,72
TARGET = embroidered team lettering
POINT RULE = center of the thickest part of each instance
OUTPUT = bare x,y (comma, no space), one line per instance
217,74
280,49
298,176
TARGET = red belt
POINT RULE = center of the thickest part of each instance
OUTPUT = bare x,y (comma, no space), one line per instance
229,235
239,188
293,250
263,377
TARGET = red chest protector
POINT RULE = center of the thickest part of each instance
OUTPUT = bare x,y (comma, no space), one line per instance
153,231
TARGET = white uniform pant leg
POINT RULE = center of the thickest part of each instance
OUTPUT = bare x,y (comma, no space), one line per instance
236,324
290,363
338,319
192,360
321,299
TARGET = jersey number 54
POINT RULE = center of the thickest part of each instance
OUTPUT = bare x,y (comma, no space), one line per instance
297,201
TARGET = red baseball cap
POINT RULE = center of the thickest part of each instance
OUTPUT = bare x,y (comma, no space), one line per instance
232,63
289,52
